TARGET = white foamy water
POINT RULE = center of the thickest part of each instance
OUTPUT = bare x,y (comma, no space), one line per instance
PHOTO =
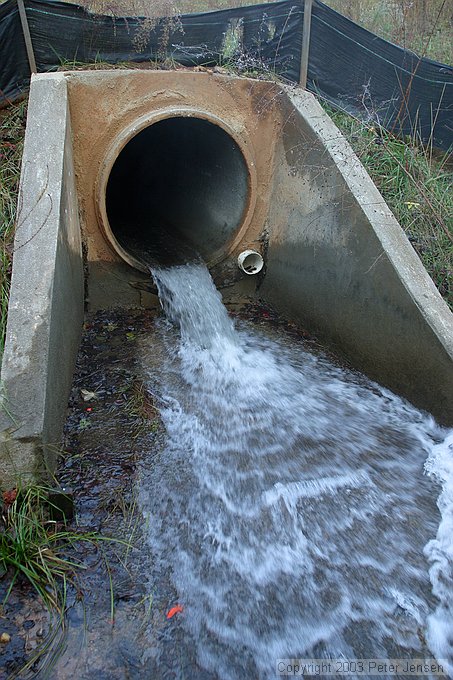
297,510
439,552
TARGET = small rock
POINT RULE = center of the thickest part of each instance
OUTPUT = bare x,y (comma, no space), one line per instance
5,638
220,69
30,644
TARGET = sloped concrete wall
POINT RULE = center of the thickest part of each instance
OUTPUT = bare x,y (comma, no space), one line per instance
340,264
46,305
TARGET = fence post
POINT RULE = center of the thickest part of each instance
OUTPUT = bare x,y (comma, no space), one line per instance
308,4
27,36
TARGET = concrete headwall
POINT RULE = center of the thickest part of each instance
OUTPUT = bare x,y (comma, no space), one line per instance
109,108
46,304
340,264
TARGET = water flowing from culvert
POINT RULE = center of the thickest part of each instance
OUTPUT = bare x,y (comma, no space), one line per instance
291,511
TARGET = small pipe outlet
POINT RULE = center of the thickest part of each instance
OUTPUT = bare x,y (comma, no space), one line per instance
250,262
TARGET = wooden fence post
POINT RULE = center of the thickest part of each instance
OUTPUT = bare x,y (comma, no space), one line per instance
27,36
308,4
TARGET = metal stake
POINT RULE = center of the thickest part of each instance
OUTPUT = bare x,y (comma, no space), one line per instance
27,36
308,4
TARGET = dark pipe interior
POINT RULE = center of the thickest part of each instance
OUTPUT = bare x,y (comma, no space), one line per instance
179,180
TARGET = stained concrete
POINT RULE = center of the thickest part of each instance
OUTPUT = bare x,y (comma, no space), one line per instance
336,260
339,263
108,109
46,303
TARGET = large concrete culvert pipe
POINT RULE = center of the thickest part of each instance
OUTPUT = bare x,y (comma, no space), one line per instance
180,177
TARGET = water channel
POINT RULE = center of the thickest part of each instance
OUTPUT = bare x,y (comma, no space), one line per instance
294,509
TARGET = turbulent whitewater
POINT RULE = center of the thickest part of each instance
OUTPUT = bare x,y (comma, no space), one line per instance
297,509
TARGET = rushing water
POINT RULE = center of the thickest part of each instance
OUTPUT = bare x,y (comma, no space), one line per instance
298,509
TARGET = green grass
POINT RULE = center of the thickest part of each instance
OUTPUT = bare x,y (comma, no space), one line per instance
32,546
12,128
417,184
37,549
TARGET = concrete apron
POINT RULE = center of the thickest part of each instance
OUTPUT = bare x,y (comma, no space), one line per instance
236,164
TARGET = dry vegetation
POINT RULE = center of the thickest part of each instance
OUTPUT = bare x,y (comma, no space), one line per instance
12,130
424,26
417,184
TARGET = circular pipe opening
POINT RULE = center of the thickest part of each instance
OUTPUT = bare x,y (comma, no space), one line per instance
181,179
250,262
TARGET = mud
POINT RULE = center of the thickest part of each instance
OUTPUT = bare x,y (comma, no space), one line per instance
111,421
27,623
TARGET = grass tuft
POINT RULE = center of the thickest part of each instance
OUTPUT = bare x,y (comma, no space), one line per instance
35,547
141,407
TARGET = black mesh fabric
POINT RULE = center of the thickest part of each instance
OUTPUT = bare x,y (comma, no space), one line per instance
348,66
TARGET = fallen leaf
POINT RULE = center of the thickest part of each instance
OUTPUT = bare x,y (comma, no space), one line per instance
9,496
175,610
87,395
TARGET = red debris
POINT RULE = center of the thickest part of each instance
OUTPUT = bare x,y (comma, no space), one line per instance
175,610
9,496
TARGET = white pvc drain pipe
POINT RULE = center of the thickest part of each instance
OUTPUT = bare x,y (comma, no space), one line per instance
250,262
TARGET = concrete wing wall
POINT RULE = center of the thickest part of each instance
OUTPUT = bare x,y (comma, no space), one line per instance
46,303
341,265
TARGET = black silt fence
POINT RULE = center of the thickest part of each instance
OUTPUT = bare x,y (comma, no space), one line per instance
350,67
